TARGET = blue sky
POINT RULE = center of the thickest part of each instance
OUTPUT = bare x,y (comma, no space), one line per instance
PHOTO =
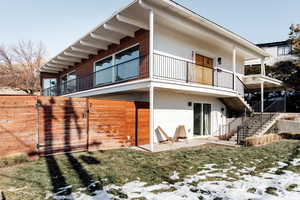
58,23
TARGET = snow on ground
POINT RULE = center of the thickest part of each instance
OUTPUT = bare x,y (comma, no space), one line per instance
265,186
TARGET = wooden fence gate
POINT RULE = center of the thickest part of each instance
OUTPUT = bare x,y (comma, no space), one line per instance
51,125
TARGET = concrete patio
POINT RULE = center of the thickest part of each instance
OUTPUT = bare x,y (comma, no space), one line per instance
167,146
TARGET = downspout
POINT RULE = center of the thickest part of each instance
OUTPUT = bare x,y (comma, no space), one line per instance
151,66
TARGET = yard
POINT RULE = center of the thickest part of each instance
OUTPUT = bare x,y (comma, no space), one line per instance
205,172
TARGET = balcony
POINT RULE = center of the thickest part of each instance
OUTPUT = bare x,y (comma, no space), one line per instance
165,68
136,68
170,68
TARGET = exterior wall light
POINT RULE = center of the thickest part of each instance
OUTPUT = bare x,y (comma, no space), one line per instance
219,61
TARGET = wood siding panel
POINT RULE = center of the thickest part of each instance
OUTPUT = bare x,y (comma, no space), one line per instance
69,124
142,132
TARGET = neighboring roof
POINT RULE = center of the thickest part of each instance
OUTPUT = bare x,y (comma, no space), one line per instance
274,44
120,25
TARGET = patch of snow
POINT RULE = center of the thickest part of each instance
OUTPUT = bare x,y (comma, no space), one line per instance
281,164
175,176
194,186
296,162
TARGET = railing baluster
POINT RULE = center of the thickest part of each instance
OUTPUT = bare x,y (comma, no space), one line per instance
187,72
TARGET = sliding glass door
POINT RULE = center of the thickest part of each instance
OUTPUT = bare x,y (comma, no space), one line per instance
202,119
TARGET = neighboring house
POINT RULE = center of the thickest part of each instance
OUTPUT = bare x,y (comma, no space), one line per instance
189,69
278,51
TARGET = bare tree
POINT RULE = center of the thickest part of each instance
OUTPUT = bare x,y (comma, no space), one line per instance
19,65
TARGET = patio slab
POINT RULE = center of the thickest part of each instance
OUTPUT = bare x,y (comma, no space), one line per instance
186,144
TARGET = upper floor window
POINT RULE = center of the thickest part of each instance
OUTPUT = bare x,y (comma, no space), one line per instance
104,71
49,82
127,63
104,64
283,50
49,86
68,82
117,67
127,55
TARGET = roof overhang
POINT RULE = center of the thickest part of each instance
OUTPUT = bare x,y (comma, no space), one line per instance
175,7
125,22
253,82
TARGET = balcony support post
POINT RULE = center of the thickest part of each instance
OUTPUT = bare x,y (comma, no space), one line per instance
151,118
262,96
151,43
234,67
262,66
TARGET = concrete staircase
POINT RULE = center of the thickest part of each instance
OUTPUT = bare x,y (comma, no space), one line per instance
258,124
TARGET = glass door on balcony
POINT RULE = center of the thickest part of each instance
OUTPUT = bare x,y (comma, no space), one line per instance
202,71
202,119
127,63
104,71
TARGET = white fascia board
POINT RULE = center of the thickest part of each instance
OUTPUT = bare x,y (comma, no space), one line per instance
257,78
132,21
93,45
105,39
121,87
194,88
118,30
80,50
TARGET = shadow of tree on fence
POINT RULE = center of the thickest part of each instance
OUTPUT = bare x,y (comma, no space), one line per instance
69,115
57,179
72,133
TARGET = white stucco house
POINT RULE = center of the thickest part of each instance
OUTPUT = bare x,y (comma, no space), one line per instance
189,69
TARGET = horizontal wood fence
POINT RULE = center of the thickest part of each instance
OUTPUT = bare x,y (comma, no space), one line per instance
48,125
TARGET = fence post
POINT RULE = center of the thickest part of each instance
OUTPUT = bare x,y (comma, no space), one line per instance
87,112
37,106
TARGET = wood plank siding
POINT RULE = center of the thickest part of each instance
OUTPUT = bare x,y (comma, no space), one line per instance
49,125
